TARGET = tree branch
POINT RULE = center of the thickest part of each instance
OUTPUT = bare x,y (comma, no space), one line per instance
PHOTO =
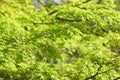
53,12
70,20
97,73
86,1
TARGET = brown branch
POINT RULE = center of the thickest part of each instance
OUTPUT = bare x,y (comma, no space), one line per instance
97,73
53,12
86,1
106,71
98,2
70,20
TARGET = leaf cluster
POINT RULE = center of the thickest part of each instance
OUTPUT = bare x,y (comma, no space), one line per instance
75,41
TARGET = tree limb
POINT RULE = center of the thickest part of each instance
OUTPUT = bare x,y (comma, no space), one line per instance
97,73
70,20
86,1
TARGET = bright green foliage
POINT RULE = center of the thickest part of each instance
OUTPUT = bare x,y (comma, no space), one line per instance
75,41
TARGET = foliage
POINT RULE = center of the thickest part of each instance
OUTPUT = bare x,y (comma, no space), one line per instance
75,41
117,3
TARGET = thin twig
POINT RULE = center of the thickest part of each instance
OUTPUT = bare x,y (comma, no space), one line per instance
70,20
53,12
86,1
91,77
97,73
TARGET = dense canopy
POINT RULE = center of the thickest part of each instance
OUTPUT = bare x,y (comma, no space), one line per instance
79,40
